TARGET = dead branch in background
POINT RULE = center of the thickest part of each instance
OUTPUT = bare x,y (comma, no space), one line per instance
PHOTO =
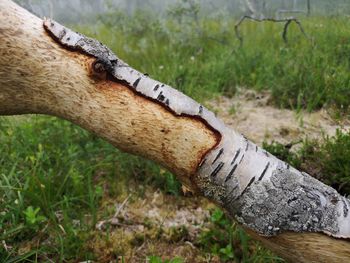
308,6
282,11
287,22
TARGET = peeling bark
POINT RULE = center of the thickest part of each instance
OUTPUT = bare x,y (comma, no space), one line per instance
66,74
259,190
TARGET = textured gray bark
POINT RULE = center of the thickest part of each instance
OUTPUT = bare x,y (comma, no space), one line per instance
260,191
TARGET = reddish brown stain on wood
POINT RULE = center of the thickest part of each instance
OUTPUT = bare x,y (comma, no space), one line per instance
166,129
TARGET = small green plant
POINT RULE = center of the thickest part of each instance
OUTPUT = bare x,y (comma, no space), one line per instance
156,259
218,238
32,216
228,241
226,253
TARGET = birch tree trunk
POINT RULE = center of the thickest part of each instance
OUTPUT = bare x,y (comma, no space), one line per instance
46,68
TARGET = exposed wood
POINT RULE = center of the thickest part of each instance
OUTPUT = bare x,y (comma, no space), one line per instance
307,247
102,94
39,76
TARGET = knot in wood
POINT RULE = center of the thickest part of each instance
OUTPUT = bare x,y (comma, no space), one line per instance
99,69
98,66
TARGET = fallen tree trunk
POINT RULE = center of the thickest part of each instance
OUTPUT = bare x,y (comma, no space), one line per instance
46,68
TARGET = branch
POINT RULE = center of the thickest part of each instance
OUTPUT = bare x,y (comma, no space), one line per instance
287,22
283,11
308,6
46,68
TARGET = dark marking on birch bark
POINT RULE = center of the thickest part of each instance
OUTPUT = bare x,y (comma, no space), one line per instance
229,176
345,208
248,185
136,83
62,34
156,87
202,162
230,197
218,155
264,171
200,111
240,161
167,102
160,96
217,169
236,156
256,148
294,198
247,146
233,189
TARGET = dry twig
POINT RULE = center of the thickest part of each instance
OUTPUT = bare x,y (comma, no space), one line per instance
287,22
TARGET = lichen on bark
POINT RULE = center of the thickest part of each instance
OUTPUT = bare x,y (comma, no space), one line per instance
288,201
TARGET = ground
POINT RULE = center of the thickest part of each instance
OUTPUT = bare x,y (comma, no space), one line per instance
252,114
170,226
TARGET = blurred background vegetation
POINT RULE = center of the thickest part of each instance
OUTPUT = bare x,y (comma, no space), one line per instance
55,178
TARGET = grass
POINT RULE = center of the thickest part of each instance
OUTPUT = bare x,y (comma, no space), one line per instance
204,58
156,259
55,177
230,243
326,159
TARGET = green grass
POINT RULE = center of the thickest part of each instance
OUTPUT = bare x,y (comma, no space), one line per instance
156,259
203,59
230,243
326,159
47,165
54,176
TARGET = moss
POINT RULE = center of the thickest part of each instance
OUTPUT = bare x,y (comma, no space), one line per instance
108,246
